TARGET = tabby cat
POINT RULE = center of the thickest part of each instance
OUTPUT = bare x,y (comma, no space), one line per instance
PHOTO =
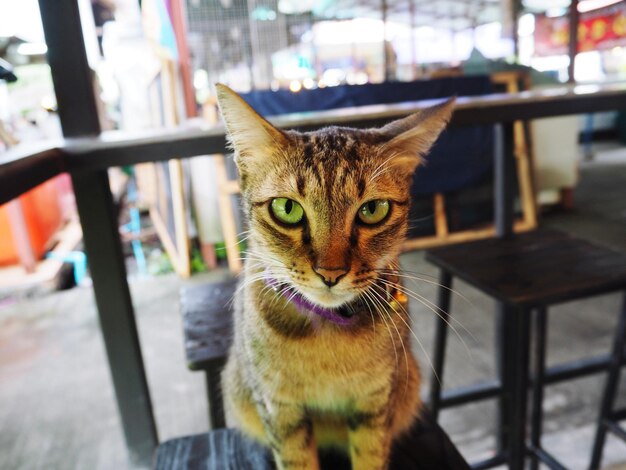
321,351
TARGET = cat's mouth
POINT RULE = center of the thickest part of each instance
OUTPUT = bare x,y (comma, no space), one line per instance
341,315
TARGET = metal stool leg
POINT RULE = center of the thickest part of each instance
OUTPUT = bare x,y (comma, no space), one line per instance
214,394
610,389
540,330
441,335
519,349
503,357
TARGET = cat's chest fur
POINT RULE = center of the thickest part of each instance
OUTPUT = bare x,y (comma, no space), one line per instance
325,370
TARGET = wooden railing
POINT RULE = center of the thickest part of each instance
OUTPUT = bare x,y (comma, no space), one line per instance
25,166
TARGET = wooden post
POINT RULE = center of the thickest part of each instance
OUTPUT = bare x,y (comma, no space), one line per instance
180,31
413,46
225,189
386,58
574,19
441,221
515,9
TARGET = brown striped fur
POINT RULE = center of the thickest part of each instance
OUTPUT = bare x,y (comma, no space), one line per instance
293,380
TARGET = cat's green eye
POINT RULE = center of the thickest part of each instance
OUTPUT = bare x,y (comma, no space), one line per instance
373,212
287,211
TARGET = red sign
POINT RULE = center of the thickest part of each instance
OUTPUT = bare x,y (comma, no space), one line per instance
599,29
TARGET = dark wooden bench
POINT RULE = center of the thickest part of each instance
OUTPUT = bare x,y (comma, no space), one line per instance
425,447
207,328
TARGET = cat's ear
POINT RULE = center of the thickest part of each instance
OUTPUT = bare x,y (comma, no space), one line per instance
252,137
410,138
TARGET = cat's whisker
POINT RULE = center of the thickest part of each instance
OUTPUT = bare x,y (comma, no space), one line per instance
421,219
240,238
415,279
293,294
252,255
268,270
406,360
242,286
429,304
257,277
266,289
423,299
414,276
439,311
375,172
265,292
382,167
417,297
279,295
361,293
381,313
421,345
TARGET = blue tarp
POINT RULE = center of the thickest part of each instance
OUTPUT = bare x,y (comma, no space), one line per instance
462,156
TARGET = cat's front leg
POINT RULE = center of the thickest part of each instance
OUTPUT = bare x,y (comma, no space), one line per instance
369,432
290,433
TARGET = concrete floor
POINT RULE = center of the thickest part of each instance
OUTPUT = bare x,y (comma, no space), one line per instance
57,409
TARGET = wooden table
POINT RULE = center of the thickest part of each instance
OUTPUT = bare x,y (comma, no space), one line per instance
87,160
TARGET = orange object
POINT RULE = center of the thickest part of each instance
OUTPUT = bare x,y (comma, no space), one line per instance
41,217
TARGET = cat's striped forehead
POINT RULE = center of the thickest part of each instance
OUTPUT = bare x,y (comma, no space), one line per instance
334,158
341,142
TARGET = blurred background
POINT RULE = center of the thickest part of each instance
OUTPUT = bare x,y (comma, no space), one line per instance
155,63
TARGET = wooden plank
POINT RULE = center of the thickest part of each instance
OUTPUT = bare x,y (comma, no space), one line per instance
572,47
549,267
424,446
231,187
207,322
183,249
164,236
511,80
229,228
118,148
459,237
441,221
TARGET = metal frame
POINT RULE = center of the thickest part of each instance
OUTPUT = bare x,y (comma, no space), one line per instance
441,336
213,377
78,113
608,419
511,433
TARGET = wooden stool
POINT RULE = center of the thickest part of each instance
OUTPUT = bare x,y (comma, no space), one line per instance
525,273
425,447
207,327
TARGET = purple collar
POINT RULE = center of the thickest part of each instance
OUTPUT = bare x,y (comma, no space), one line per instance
305,305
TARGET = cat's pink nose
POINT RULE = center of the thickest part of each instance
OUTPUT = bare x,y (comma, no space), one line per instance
331,276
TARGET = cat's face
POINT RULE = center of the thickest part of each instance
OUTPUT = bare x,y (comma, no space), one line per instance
328,209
